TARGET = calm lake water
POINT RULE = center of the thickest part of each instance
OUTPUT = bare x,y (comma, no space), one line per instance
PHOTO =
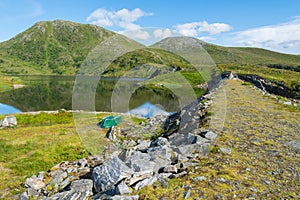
56,92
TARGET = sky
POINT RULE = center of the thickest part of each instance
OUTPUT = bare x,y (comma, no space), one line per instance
273,25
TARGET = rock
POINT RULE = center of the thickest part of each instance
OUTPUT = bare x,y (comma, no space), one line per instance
199,178
224,150
34,183
32,192
122,188
145,182
223,180
113,133
83,185
72,195
23,196
160,142
138,161
8,121
192,150
109,173
181,174
138,176
123,197
210,135
170,169
163,181
187,194
142,144
82,162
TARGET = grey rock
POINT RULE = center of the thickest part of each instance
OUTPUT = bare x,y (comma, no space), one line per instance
82,185
34,183
161,141
139,161
163,181
32,192
187,194
69,195
142,144
8,121
109,173
192,150
82,162
123,197
145,182
199,178
57,176
210,135
138,176
170,169
223,180
23,196
122,188
113,133
224,150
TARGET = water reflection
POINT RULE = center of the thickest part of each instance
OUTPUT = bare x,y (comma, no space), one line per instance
55,92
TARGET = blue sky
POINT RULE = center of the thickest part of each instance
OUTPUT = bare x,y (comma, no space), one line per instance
272,25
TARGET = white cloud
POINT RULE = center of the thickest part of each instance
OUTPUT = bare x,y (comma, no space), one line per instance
214,28
280,37
137,34
162,33
196,28
123,18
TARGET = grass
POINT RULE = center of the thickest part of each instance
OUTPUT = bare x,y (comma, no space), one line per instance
36,144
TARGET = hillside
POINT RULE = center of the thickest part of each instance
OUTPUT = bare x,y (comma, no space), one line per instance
51,47
235,55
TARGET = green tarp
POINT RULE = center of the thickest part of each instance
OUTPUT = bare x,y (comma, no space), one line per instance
110,121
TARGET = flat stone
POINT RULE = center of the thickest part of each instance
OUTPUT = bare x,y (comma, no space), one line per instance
138,176
122,188
34,183
181,174
145,182
210,135
199,178
224,150
170,169
82,185
109,173
123,197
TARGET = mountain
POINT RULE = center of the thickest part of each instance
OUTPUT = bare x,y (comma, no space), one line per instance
277,67
233,55
62,47
52,47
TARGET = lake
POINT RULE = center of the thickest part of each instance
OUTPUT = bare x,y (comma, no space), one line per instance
56,92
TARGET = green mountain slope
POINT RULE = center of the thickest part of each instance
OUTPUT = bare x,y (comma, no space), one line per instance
51,47
235,55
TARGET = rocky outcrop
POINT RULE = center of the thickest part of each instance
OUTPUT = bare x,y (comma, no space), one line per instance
125,171
273,87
